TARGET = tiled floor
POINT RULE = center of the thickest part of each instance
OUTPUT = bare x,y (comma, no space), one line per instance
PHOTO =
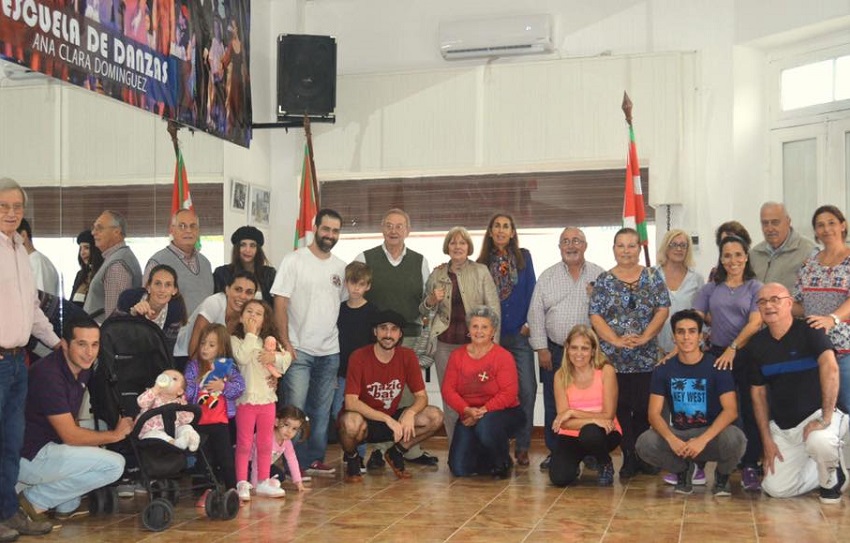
433,507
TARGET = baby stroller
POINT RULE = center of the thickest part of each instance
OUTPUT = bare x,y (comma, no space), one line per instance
161,465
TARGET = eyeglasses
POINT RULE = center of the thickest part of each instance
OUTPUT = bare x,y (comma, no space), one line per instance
183,226
390,227
6,208
682,245
101,228
773,300
566,242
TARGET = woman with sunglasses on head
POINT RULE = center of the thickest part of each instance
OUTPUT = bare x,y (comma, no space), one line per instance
676,266
728,304
822,293
628,307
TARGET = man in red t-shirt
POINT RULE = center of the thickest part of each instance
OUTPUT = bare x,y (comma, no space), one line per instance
377,374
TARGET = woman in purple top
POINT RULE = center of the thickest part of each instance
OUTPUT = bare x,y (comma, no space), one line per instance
729,305
822,293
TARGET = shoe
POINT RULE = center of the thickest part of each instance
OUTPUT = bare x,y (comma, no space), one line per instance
590,462
750,479
722,487
698,478
424,459
202,501
376,460
832,495
7,534
502,472
362,466
683,482
270,488
243,488
629,468
126,489
79,512
352,468
606,475
28,509
544,465
319,468
522,458
670,478
24,525
395,459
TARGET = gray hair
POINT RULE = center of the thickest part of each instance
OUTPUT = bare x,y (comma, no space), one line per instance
7,183
118,220
780,205
398,211
484,311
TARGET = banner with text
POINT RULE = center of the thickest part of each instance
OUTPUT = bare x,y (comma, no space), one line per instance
185,60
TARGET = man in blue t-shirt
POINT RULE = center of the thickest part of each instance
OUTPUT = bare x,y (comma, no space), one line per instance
794,382
703,407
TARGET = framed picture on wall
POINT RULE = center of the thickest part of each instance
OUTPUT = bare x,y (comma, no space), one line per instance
238,195
260,206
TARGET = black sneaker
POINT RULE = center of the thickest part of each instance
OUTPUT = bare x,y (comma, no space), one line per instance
722,487
629,467
683,481
395,459
833,495
352,468
590,462
376,460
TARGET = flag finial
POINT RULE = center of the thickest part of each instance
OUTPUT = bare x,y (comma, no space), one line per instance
627,107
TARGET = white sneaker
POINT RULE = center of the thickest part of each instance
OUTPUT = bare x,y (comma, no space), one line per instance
270,488
243,488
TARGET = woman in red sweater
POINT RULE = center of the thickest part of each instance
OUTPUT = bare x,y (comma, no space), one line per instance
481,385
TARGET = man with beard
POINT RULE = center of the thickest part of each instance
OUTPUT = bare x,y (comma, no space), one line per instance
376,376
307,291
560,301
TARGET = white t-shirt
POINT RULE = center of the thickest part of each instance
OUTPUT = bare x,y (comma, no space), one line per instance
45,274
213,308
315,288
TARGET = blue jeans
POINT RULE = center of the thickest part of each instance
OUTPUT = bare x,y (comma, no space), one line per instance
60,474
844,382
309,384
336,407
484,446
13,395
550,410
518,345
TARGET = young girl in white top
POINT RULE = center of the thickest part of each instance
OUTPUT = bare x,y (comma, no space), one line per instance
255,409
290,421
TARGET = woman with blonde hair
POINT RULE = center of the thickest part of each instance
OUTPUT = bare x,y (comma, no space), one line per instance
586,399
453,289
676,266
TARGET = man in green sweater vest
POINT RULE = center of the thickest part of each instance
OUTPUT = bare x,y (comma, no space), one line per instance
398,284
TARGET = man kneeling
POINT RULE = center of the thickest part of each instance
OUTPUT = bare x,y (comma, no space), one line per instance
60,461
703,407
377,374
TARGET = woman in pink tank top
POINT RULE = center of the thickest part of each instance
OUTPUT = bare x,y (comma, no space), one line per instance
586,400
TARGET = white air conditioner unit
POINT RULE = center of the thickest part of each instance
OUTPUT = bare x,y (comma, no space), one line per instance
503,36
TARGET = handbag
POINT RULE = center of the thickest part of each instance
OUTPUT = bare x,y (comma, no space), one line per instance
426,345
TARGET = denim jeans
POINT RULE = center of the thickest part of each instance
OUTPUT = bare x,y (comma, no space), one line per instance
484,446
60,474
309,384
13,394
523,354
336,407
550,410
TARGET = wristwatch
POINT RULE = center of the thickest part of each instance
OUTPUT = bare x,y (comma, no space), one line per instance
733,346
835,319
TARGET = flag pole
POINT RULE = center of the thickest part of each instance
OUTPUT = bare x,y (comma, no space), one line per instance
627,111
173,127
309,135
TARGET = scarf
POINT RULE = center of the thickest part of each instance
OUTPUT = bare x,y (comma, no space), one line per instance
504,272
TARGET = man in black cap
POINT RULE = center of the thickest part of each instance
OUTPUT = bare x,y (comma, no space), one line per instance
247,255
376,376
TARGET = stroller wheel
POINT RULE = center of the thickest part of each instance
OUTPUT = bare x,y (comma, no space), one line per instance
172,491
229,505
212,505
158,515
97,501
110,500
157,489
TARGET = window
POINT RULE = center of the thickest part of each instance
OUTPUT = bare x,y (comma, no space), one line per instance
815,83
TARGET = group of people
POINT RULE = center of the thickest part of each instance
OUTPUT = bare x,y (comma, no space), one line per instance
625,355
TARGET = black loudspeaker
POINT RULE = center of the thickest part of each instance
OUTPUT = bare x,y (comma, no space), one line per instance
306,77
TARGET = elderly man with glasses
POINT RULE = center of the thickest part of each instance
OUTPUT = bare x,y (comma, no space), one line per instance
194,272
794,385
120,269
560,301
